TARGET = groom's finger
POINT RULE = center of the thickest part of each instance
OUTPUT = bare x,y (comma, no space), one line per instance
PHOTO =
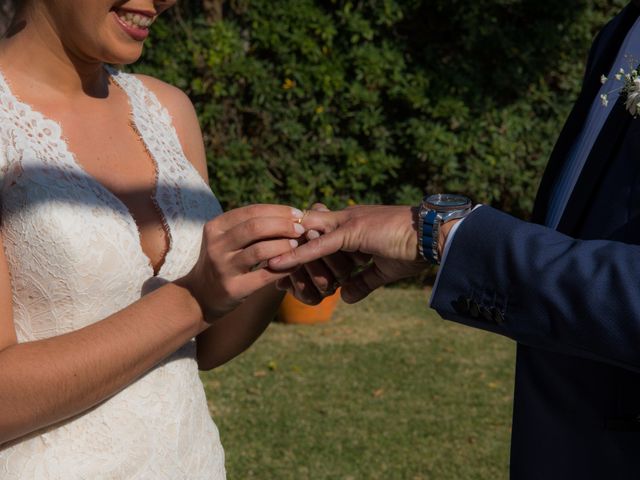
362,284
312,250
284,284
325,221
304,288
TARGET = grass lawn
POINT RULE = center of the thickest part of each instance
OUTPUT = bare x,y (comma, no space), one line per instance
386,390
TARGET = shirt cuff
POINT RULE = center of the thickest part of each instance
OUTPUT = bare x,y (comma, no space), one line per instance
445,252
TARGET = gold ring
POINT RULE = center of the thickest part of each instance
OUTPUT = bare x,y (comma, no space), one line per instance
304,214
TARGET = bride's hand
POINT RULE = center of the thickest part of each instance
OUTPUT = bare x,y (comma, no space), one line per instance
235,248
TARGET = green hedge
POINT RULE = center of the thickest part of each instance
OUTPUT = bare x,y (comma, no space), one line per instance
378,101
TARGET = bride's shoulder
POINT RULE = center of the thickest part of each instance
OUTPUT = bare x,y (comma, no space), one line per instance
172,98
184,117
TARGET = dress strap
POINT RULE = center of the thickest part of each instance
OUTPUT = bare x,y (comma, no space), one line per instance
180,190
4,161
144,102
4,86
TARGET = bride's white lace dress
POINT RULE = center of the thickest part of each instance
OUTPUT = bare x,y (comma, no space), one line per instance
75,257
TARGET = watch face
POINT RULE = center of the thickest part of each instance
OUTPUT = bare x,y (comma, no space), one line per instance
445,201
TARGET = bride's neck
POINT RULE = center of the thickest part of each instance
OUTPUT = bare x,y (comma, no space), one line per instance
35,54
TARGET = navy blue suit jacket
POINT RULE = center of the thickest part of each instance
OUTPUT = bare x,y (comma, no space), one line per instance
570,298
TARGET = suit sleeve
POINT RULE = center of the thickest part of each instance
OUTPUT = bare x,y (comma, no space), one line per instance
543,288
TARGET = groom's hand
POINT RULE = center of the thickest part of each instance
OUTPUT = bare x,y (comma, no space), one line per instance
387,233
317,279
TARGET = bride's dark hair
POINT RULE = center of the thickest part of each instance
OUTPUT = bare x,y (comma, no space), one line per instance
8,8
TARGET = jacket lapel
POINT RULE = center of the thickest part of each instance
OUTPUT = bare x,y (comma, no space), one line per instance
607,143
607,139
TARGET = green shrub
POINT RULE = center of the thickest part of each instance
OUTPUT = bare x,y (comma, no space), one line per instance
378,101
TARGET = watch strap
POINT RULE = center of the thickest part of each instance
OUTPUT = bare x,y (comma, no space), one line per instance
429,228
429,222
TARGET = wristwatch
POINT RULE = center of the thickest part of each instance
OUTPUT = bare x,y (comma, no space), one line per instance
433,212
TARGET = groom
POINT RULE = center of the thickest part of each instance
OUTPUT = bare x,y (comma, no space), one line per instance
566,287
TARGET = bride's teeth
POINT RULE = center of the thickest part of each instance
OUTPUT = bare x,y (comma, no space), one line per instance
135,19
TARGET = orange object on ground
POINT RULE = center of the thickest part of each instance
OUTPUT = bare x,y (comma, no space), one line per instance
294,311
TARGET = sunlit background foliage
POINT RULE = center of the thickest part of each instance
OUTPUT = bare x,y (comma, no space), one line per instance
377,100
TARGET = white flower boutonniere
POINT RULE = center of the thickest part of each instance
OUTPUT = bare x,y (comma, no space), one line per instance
630,88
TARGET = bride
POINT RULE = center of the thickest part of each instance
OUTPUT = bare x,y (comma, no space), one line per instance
119,274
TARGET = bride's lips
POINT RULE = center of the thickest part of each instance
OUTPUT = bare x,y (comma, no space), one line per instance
135,23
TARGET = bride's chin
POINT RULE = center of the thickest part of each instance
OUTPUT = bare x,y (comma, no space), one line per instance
122,56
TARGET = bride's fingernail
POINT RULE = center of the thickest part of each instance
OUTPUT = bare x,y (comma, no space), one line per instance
293,243
297,213
298,228
312,234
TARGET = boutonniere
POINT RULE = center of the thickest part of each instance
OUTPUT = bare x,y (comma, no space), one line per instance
630,89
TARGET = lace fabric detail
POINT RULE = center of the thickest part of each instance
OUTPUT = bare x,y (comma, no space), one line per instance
74,255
